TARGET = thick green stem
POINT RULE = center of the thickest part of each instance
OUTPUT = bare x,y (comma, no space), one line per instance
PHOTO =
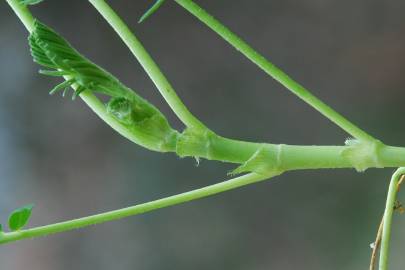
133,210
273,71
389,210
289,157
148,64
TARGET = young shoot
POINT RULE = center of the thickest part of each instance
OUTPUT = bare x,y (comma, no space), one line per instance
144,120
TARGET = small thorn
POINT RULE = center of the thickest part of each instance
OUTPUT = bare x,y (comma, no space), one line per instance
151,10
197,160
65,91
61,86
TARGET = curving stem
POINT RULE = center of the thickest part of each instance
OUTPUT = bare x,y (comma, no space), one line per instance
389,209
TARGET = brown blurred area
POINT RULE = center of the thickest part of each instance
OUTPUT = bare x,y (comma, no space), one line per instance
57,154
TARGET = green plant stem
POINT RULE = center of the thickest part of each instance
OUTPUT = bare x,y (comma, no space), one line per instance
130,211
290,157
273,71
136,47
23,14
204,144
387,223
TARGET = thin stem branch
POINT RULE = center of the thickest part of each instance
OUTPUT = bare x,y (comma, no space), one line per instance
376,245
273,71
23,14
133,210
377,241
396,178
148,64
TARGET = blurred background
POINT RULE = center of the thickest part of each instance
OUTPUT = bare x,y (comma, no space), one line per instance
57,154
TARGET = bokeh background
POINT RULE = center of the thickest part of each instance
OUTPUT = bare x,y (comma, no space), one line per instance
57,154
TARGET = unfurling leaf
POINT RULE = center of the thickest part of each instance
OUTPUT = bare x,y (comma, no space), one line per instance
148,126
20,217
50,50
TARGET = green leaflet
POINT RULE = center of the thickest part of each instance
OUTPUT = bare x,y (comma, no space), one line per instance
30,2
145,121
20,217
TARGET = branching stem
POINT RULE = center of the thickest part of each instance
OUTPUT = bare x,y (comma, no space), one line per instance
198,141
136,47
293,157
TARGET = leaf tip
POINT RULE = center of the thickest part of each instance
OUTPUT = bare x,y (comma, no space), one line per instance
151,10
